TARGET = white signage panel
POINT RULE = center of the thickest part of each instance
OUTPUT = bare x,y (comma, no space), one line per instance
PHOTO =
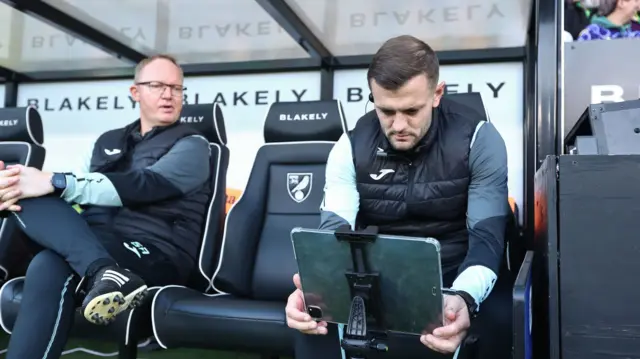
74,114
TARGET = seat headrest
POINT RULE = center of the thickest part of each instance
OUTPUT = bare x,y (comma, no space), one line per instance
470,99
21,124
206,119
304,121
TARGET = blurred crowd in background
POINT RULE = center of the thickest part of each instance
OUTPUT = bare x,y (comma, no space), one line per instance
601,20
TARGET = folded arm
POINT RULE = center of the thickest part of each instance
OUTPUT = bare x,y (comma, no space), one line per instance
341,199
487,212
181,170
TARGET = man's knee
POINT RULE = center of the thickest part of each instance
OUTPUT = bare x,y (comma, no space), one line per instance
48,270
35,211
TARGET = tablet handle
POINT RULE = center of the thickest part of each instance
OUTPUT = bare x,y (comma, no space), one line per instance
360,338
367,235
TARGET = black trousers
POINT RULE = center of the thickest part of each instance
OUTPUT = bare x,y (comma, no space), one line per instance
68,248
493,326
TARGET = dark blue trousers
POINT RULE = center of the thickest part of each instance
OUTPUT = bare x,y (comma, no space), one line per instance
67,249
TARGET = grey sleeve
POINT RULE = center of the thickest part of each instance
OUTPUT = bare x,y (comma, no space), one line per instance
181,170
341,198
330,221
488,204
90,189
186,165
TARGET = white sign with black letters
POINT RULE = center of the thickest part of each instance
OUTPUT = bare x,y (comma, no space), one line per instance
590,79
74,114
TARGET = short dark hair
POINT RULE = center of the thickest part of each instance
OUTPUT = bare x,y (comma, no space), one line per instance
401,59
606,7
142,64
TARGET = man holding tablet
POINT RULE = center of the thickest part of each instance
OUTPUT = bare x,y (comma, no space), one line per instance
422,165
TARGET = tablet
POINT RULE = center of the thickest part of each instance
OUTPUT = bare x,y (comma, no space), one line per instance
410,278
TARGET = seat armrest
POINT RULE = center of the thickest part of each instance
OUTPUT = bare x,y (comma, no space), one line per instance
522,294
514,246
138,321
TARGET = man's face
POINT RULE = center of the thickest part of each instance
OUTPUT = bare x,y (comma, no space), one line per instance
628,8
405,114
159,92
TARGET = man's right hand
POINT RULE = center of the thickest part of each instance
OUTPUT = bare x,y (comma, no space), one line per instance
297,318
9,179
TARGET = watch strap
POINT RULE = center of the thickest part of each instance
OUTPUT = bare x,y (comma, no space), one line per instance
472,306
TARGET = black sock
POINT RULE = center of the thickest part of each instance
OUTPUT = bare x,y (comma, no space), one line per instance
97,265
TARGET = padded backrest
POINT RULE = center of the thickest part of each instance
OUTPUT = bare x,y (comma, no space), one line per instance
284,190
21,141
21,137
470,99
514,246
208,120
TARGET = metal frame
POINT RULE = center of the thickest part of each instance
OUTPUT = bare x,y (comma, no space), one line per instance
10,94
209,69
530,127
547,71
296,28
5,73
549,66
286,17
62,21
452,57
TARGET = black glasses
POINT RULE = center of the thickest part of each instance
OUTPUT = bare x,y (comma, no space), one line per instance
157,88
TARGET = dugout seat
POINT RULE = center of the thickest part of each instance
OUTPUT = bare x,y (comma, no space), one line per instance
21,141
135,325
517,264
254,274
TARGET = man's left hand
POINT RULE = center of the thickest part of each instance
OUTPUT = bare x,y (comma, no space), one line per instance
448,338
30,183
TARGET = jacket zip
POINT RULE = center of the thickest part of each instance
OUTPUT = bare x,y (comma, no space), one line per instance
411,180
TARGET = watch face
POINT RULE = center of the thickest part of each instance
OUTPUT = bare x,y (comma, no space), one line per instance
59,181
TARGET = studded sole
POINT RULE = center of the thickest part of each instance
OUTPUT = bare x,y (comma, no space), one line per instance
103,309
135,298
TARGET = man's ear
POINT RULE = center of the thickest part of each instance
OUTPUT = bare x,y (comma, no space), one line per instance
437,95
135,94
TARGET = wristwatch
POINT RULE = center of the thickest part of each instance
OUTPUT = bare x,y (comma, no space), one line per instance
59,183
472,306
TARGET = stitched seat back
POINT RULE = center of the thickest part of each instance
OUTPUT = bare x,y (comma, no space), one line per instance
209,121
21,142
284,190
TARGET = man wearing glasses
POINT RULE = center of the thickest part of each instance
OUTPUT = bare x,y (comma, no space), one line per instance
144,194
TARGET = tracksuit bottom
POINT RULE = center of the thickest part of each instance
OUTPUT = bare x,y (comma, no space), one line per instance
493,328
68,250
